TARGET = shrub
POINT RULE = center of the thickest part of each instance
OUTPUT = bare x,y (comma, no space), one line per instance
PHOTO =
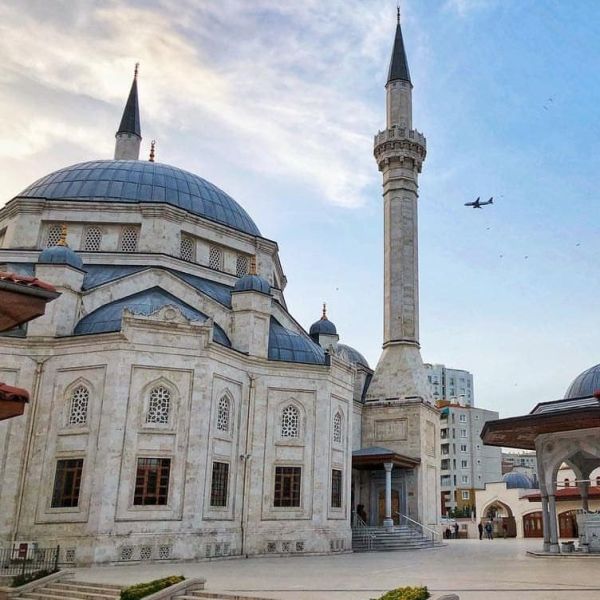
20,580
407,593
141,590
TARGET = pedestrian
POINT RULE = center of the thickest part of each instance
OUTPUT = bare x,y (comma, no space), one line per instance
504,530
447,533
480,528
455,531
489,530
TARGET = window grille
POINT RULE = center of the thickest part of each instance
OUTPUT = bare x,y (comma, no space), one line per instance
93,238
241,265
336,488
223,414
54,235
159,405
219,484
337,428
290,420
129,239
67,483
78,406
186,250
215,258
152,481
287,486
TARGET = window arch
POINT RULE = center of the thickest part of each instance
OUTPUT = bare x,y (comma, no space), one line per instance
215,258
224,414
159,405
78,405
93,239
337,428
290,422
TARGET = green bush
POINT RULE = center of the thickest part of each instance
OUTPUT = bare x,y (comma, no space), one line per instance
141,590
20,580
406,593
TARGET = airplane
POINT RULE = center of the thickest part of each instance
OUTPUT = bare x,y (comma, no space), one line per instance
478,204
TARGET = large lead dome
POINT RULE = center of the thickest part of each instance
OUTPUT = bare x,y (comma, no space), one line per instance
139,181
585,384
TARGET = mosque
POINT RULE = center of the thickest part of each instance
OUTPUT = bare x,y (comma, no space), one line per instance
177,409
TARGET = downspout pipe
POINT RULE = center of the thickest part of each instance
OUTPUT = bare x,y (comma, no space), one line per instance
245,458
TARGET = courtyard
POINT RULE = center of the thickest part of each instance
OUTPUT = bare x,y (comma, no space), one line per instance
496,570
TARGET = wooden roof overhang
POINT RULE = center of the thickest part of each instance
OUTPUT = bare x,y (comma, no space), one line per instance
374,460
12,401
521,432
566,493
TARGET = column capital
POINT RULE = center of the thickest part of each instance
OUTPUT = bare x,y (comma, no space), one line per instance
388,466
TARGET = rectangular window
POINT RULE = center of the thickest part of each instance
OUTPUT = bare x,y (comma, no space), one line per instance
220,481
464,464
336,488
129,239
287,486
463,433
152,481
215,258
463,447
67,482
464,479
187,248
466,495
241,265
462,418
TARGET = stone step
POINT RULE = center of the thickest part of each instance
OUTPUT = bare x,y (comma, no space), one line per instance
208,595
43,593
108,586
83,592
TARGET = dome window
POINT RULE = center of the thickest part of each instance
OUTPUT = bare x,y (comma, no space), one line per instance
93,239
129,239
241,265
187,249
215,258
54,235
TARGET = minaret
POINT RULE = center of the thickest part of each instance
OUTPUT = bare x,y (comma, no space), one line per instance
129,134
400,151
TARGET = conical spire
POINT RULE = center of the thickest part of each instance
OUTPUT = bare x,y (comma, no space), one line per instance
130,122
398,63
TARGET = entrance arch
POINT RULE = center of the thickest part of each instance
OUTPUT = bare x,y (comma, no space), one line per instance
532,525
502,518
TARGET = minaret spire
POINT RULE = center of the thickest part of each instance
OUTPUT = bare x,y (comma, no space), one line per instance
129,134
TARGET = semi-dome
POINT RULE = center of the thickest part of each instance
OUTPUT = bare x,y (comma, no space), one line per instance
60,255
139,181
586,384
351,355
252,283
516,480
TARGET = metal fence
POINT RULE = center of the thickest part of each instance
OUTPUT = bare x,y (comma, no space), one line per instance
23,559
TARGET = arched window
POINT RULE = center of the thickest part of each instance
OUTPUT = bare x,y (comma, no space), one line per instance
159,405
54,233
223,414
93,238
241,265
129,239
290,422
78,405
215,258
187,248
567,483
337,428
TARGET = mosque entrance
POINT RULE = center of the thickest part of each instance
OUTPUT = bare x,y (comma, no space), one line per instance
532,525
567,524
395,507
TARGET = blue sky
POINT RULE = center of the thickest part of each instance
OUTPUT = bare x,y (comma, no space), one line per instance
277,102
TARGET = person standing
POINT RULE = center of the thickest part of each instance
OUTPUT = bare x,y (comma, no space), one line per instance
480,529
455,531
489,530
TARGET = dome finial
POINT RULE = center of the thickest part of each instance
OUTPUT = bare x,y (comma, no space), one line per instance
62,240
324,316
252,267
152,153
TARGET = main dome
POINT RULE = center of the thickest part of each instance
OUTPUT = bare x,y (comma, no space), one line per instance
585,384
138,181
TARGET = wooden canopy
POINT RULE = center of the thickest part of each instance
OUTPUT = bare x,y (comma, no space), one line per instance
12,401
374,457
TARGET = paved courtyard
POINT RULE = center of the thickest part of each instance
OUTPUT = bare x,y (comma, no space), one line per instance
497,570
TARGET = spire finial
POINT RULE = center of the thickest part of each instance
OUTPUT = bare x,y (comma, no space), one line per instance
152,153
324,316
62,240
252,267
137,68
398,12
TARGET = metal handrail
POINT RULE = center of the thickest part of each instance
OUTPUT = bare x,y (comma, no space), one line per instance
423,528
363,530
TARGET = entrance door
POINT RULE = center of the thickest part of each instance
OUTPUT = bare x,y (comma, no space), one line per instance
395,506
567,525
532,525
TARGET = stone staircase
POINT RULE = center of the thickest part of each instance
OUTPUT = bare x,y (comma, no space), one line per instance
66,589
380,539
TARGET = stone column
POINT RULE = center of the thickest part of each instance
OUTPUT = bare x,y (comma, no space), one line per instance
584,487
545,523
388,521
554,547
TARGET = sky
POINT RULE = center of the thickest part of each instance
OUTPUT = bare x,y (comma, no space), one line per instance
276,102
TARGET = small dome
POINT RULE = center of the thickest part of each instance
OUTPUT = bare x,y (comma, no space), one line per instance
252,283
516,480
586,384
323,326
60,255
351,355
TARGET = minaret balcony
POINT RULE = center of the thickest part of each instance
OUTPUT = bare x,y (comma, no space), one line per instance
400,145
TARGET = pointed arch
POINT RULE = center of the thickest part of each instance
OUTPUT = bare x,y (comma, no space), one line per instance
337,429
77,402
290,421
159,401
225,412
